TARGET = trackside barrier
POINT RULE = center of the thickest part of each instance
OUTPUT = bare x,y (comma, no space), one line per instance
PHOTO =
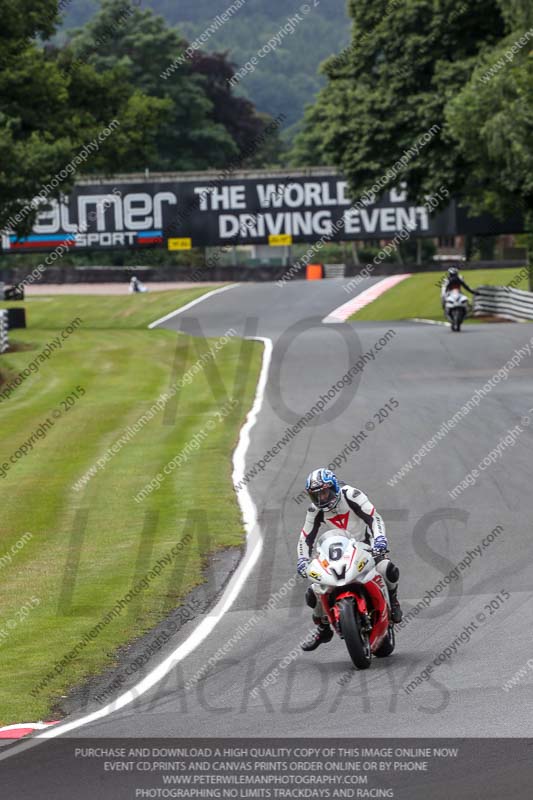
502,301
334,270
314,272
4,326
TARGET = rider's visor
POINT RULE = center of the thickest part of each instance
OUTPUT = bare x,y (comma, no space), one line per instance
321,496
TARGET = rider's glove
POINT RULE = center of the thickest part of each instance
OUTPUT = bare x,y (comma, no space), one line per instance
303,563
380,545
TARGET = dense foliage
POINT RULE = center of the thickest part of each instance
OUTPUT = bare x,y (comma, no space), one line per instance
286,79
464,69
392,85
57,96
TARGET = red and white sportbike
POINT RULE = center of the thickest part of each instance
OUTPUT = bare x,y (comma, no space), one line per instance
354,596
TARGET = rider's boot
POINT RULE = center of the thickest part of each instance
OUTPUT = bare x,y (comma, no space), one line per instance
322,635
310,597
396,609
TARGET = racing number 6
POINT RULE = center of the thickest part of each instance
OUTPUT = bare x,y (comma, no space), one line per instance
335,551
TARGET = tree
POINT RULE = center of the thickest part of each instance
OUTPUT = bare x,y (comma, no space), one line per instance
391,86
98,98
24,20
491,123
33,145
310,146
207,126
286,79
237,114
47,115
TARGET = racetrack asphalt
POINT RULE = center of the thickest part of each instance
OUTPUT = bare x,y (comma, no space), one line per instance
431,373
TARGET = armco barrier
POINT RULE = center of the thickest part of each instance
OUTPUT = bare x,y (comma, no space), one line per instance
3,331
69,273
334,270
502,301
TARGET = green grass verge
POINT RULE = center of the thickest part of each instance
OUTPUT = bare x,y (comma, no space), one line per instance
89,547
105,311
419,295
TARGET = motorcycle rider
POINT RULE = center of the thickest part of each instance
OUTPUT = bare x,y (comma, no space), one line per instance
335,503
453,280
136,286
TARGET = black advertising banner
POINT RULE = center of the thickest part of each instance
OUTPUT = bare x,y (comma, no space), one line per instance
180,213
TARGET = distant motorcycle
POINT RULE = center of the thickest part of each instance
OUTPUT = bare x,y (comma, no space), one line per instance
354,596
456,308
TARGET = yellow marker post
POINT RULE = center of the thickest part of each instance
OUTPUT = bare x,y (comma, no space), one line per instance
180,244
280,240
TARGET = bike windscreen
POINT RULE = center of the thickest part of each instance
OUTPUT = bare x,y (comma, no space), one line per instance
332,546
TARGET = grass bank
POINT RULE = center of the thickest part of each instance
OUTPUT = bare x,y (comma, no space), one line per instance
78,552
419,295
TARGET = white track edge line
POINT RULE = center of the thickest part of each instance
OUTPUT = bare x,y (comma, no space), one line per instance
254,546
192,303
429,322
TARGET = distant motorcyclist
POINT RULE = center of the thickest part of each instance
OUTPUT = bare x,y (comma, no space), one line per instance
136,285
336,504
450,282
453,280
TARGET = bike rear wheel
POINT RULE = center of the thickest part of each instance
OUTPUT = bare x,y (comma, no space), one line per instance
356,640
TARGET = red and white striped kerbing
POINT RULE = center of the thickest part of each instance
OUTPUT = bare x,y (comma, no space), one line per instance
23,729
342,313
